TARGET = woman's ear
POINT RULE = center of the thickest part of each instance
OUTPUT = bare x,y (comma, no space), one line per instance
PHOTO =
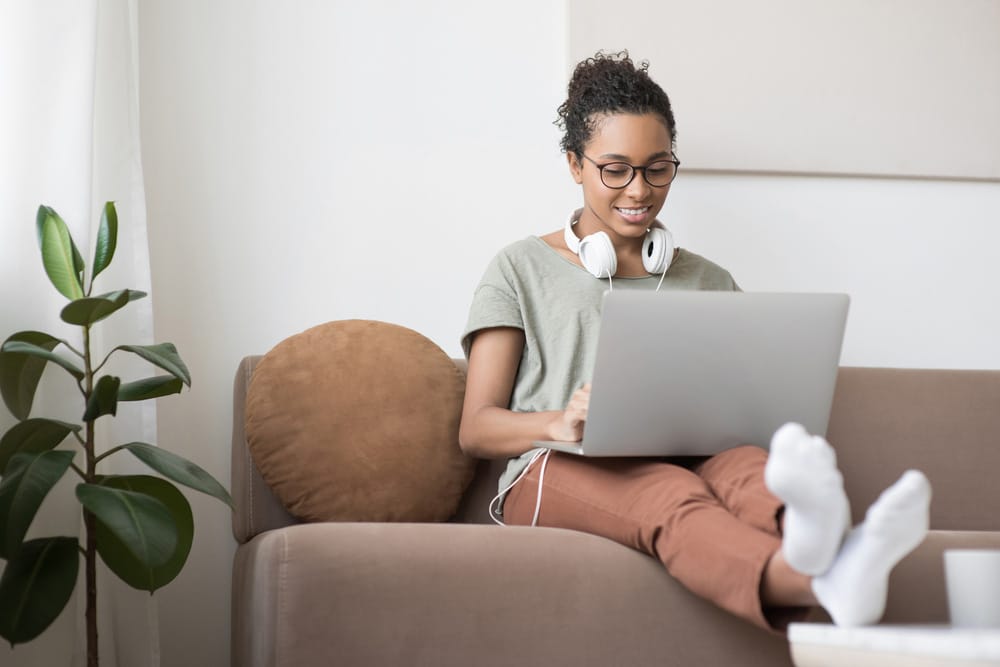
575,168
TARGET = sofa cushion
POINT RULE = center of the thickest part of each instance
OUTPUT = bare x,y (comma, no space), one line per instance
357,420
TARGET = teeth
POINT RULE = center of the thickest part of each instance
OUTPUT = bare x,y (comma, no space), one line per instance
634,211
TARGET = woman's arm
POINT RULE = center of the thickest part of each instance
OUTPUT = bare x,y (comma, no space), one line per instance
489,429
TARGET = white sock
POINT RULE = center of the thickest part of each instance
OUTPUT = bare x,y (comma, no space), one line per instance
802,471
853,591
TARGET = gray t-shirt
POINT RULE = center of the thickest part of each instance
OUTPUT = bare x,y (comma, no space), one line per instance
557,304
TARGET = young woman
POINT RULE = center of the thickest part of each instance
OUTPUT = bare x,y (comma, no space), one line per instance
763,536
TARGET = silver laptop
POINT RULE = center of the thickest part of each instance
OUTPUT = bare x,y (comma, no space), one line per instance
686,373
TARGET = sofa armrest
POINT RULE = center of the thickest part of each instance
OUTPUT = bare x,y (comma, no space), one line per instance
255,508
452,594
916,588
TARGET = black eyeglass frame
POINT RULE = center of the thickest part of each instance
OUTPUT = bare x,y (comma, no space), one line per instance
634,168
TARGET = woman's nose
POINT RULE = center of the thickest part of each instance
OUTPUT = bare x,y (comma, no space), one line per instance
638,188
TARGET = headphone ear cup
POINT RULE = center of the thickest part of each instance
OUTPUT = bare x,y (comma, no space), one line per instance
597,255
657,250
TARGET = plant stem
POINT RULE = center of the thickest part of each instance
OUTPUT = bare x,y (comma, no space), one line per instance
109,453
89,520
91,564
71,348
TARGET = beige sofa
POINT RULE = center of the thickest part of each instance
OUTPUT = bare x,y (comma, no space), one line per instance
470,593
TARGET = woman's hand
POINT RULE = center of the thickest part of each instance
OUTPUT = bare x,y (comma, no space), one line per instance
489,429
568,427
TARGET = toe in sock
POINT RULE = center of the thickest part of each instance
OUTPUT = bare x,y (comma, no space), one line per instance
802,472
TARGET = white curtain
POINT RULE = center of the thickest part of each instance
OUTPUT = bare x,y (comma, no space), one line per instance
69,139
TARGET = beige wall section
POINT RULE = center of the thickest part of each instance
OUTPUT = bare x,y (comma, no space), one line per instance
867,87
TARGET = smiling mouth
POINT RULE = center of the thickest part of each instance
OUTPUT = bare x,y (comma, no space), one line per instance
633,211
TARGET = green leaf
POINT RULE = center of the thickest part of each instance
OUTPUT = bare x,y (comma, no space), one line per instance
78,265
36,585
104,399
107,239
32,436
133,294
117,556
20,373
17,347
142,523
91,309
61,259
179,470
28,480
154,387
163,355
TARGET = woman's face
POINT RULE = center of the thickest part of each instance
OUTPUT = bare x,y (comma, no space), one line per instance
627,213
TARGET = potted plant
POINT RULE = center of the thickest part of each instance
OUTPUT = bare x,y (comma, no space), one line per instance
140,525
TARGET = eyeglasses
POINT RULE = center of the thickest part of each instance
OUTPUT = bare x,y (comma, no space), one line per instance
617,175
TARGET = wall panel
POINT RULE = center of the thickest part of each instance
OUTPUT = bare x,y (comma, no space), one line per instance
905,88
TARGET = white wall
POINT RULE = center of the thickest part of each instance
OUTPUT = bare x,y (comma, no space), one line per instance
318,160
315,160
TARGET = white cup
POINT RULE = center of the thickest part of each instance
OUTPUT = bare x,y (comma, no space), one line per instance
972,579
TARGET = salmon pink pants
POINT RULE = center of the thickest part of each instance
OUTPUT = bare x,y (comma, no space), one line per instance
711,522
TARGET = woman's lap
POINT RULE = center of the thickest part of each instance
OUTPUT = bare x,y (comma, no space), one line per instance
713,526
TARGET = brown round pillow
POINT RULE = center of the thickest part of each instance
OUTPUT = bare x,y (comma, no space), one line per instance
357,420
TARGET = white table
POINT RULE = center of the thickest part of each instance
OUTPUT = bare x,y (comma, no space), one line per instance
825,645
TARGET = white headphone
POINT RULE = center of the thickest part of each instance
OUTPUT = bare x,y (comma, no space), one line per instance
598,255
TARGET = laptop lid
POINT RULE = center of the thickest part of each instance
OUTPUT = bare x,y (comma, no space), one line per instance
697,372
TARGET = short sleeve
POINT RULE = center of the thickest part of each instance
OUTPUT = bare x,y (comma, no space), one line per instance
494,303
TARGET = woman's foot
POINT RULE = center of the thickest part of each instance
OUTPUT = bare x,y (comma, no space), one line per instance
802,472
853,591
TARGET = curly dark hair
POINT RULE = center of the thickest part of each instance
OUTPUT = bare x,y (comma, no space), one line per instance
609,83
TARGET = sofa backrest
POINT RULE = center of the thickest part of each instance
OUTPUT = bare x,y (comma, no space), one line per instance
943,422
884,421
